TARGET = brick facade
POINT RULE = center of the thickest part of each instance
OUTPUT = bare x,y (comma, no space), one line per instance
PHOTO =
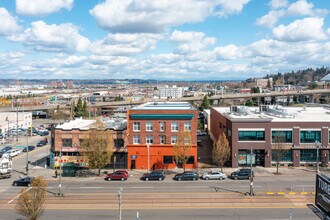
223,123
138,153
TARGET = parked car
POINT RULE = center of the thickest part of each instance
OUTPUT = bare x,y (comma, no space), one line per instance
116,176
241,174
41,143
5,149
26,181
188,175
43,133
123,171
154,175
31,148
11,153
213,175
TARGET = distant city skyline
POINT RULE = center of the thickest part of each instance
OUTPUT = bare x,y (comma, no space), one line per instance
164,39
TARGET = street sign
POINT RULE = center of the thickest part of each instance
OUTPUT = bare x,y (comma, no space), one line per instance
322,195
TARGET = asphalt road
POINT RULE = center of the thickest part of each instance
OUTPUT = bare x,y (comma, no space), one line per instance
163,214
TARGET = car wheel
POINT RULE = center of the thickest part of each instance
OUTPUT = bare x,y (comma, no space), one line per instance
206,178
122,179
221,178
179,179
109,179
15,184
194,179
235,178
147,178
29,184
160,179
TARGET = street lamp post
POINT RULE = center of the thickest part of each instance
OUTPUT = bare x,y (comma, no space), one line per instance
317,145
251,174
119,202
148,147
60,177
27,155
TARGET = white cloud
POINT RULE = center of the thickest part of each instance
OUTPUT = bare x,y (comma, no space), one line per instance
8,23
150,16
228,52
53,38
275,4
231,7
41,7
301,30
301,7
124,44
190,41
298,8
270,19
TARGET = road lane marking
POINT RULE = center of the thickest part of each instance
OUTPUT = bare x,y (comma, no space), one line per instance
92,187
19,195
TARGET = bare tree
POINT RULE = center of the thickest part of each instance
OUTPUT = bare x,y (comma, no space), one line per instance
98,148
181,149
221,151
30,202
278,150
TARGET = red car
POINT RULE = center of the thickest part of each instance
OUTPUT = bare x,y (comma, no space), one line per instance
116,176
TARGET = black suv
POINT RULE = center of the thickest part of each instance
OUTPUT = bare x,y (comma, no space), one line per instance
154,175
241,174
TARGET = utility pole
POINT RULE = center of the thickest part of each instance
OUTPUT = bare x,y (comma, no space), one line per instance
317,145
16,121
27,155
119,202
148,147
251,173
60,177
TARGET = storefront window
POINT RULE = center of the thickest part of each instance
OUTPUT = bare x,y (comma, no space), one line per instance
287,157
308,155
310,136
167,159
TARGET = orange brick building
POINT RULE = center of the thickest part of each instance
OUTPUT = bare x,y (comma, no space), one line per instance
153,129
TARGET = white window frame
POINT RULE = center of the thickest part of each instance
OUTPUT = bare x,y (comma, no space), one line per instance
176,128
149,126
149,139
187,126
136,139
136,126
161,126
172,139
162,139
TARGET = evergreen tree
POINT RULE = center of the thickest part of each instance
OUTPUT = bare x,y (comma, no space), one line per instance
85,109
79,108
205,104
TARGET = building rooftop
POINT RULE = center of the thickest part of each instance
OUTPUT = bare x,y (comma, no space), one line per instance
326,78
276,113
165,106
78,123
84,124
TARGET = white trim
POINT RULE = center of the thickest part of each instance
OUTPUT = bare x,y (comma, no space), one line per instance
311,129
252,141
251,129
281,129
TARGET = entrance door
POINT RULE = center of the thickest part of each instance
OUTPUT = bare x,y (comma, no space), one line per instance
132,164
260,157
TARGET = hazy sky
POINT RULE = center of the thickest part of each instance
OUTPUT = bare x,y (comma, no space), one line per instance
161,39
